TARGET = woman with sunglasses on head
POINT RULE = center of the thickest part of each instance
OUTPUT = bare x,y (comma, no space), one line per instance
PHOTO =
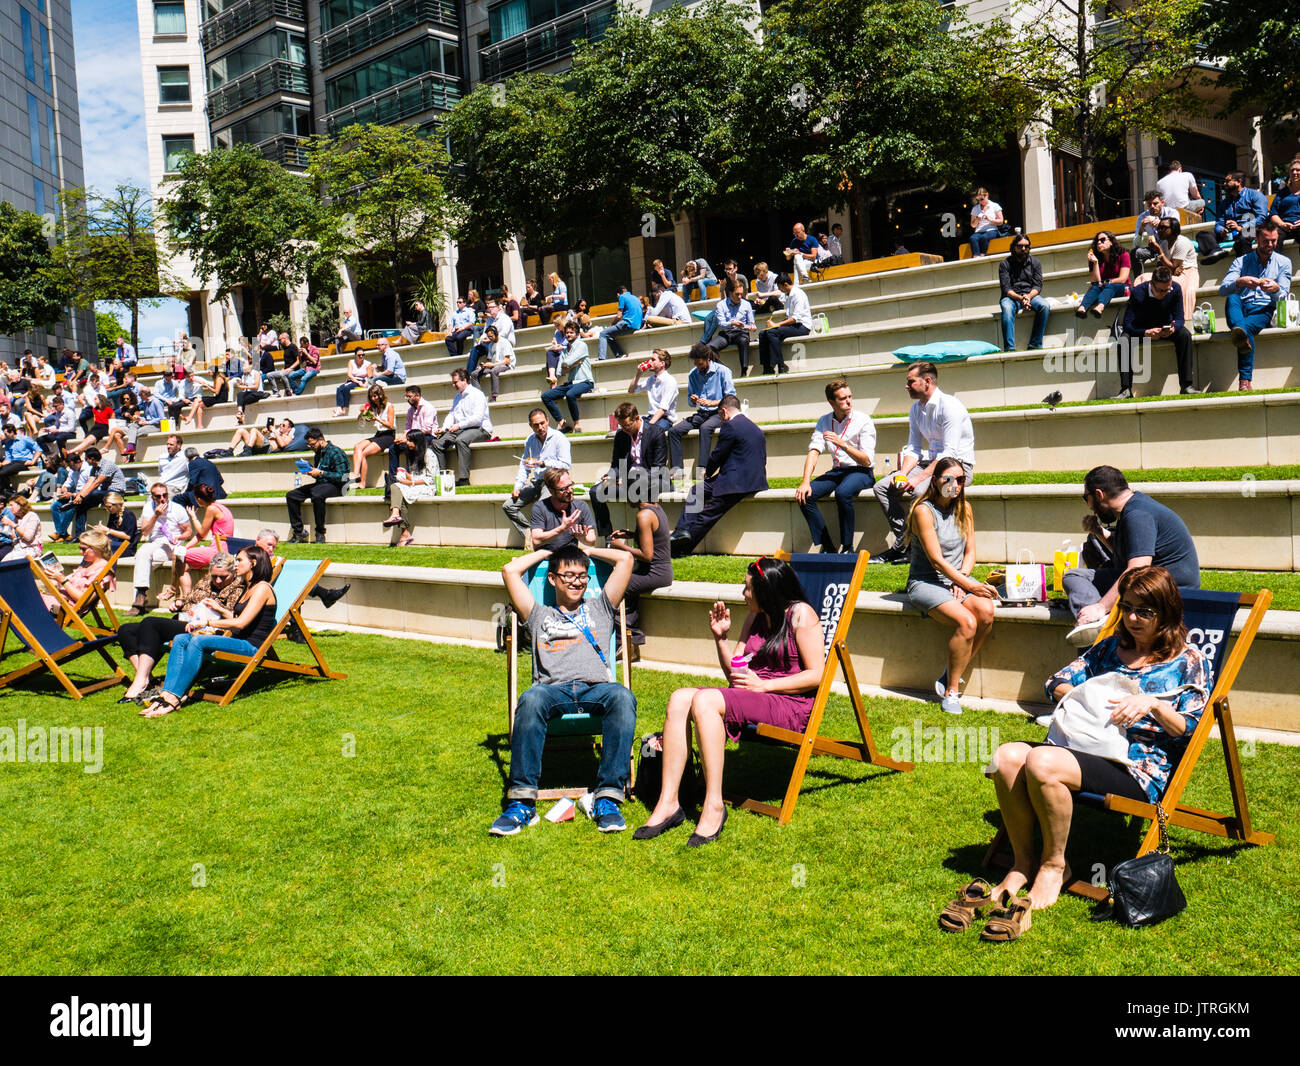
1034,781
1109,268
773,672
240,629
941,538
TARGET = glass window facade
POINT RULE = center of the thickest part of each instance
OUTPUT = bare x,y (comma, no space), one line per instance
336,12
45,59
54,140
169,19
278,44
271,122
517,16
430,54
175,148
38,194
34,128
29,48
173,85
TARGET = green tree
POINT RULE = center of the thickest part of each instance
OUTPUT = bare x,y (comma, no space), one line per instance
384,205
1260,51
108,251
516,171
30,297
243,220
845,100
107,330
1102,71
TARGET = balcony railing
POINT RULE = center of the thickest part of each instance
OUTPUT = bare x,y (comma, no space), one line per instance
279,75
381,23
546,44
235,20
286,149
424,93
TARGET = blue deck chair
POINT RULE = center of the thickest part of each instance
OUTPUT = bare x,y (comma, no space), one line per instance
24,612
577,723
296,578
830,584
1209,618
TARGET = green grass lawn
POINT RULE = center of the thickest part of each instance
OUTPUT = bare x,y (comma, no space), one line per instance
244,840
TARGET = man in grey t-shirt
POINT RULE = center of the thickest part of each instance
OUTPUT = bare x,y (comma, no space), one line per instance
558,521
571,670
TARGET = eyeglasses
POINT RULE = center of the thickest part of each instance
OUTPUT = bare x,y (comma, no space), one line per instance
576,579
1146,614
157,497
949,479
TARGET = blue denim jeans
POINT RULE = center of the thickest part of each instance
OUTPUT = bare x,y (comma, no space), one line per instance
343,393
186,659
979,242
611,701
570,394
298,379
1252,322
607,341
1011,308
710,327
845,483
454,340
702,285
1102,294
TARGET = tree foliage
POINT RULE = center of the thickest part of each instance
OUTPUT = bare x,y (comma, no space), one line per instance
242,219
108,251
107,330
384,205
30,296
1260,50
1102,71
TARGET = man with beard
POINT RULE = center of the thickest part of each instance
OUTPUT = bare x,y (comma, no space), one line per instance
1021,277
1146,533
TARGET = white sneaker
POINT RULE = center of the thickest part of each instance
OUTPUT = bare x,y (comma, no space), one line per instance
1045,720
1084,635
950,705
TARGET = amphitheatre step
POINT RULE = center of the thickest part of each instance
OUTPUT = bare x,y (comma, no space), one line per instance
1263,535
891,644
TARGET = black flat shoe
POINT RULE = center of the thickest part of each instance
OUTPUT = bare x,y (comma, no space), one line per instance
649,832
697,841
329,597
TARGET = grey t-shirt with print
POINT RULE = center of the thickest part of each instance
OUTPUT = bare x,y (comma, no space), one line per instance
561,652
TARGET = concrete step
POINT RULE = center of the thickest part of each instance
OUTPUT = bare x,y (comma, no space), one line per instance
1263,535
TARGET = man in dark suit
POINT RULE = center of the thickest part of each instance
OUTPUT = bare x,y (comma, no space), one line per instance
639,460
202,472
737,468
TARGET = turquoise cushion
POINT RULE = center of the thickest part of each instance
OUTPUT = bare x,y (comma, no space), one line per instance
944,351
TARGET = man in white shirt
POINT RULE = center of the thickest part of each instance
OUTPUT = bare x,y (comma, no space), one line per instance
669,309
466,422
163,525
544,450
1180,190
851,437
496,316
1148,225
938,425
660,387
174,468
349,329
735,322
835,243
797,323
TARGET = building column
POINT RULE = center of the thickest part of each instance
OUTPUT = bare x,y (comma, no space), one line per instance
512,268
1147,169
636,259
298,296
444,263
1038,181
682,237
214,331
1256,168
233,329
347,297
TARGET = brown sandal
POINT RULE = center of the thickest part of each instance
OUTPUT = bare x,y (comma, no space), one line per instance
1010,922
961,913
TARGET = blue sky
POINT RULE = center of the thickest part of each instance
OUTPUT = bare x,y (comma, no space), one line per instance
111,97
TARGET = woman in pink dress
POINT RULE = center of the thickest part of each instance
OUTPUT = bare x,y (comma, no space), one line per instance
773,674
217,522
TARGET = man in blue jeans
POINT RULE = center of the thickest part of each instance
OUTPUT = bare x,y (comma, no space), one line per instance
571,670
851,437
1021,275
628,321
1253,285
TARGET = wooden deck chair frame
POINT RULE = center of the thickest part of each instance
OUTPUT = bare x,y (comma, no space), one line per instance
810,742
265,656
512,697
95,597
1235,826
235,545
51,661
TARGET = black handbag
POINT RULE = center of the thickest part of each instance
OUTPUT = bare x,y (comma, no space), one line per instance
1144,891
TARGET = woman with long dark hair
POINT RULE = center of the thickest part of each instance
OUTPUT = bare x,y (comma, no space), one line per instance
1109,268
772,673
240,630
941,537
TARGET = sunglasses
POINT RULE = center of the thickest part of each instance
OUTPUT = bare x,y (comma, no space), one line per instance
1146,614
949,479
157,497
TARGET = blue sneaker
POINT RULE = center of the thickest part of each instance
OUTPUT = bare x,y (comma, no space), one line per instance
609,819
514,818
